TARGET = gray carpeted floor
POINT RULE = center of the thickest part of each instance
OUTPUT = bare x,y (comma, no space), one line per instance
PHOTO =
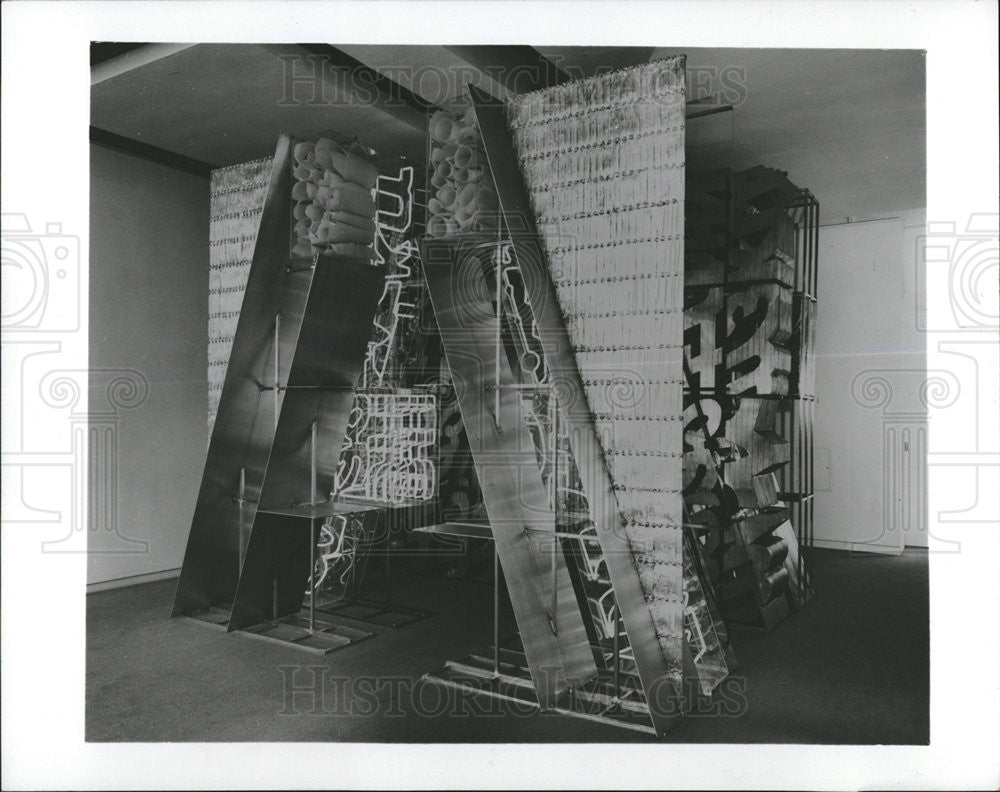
852,667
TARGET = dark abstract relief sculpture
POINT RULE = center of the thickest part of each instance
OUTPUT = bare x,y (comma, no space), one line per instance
750,274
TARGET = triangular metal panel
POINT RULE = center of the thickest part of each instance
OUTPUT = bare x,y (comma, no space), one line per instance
548,617
244,429
644,557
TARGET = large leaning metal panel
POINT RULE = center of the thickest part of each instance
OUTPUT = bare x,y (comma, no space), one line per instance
319,393
296,355
244,429
541,592
603,183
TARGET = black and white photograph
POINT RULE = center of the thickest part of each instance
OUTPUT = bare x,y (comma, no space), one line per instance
438,394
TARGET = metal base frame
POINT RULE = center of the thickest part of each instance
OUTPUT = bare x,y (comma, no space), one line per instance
320,636
381,614
594,701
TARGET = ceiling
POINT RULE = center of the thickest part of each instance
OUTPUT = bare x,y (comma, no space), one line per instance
848,124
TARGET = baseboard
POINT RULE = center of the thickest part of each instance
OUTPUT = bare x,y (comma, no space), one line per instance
856,547
132,580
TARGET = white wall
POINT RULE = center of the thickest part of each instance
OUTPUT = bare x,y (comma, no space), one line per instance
148,330
870,429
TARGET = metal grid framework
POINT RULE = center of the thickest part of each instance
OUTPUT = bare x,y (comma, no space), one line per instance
754,553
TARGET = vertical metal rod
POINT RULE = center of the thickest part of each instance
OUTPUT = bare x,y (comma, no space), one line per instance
800,484
813,241
812,481
555,589
616,651
312,463
812,404
496,373
390,520
274,599
815,260
555,512
496,611
312,531
554,420
239,537
277,362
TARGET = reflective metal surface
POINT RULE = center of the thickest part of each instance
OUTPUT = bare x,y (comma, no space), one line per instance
244,429
654,671
327,360
555,640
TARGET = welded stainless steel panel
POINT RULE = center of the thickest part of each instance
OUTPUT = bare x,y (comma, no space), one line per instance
658,676
328,358
554,638
244,430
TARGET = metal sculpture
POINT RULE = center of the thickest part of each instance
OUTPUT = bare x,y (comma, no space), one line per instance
525,328
286,396
750,279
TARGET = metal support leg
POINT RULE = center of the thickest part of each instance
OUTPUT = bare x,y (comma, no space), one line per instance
277,369
312,531
617,653
388,562
496,612
555,585
553,430
497,340
240,541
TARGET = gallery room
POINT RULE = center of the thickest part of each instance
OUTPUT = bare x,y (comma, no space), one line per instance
508,394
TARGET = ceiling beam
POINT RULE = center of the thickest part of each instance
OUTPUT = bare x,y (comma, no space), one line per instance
131,58
348,79
519,69
146,151
101,51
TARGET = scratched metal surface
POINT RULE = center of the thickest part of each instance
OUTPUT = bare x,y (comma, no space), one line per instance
244,428
603,163
555,640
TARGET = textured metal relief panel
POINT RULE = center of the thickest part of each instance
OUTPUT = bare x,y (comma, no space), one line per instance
603,162
236,201
702,315
758,332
